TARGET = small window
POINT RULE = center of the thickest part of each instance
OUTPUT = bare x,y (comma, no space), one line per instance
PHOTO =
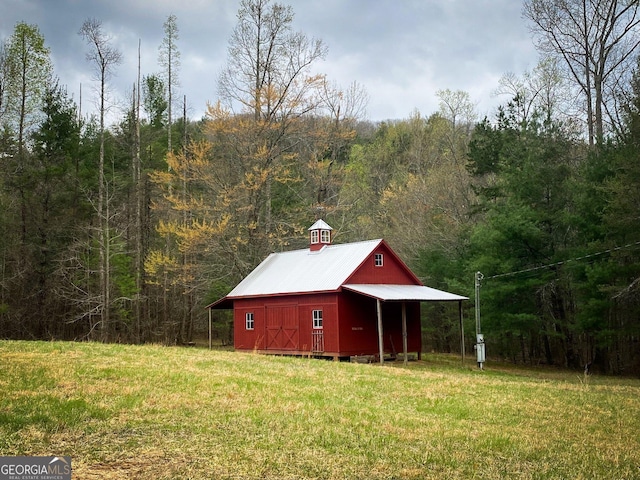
314,236
317,319
325,236
378,260
248,320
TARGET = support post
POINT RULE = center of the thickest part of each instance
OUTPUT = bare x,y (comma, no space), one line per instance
462,352
404,331
380,334
210,339
478,278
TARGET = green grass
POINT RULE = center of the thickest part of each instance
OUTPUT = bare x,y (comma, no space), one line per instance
171,413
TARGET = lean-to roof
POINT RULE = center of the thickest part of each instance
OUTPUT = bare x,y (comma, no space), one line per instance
397,293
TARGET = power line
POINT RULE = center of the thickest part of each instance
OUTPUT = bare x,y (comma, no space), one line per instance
591,255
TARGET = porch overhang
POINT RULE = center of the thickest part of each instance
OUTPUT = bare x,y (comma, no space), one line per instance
403,293
225,303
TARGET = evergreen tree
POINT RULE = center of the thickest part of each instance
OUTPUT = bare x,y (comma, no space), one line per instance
525,171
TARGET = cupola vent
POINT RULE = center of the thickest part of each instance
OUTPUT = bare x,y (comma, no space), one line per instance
319,235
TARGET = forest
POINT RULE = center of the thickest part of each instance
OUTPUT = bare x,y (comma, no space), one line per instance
123,231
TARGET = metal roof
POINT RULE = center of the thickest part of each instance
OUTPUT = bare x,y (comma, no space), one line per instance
305,271
389,293
324,270
320,225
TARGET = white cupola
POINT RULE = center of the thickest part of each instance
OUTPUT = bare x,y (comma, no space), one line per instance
319,235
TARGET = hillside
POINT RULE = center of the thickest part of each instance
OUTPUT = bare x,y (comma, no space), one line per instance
165,413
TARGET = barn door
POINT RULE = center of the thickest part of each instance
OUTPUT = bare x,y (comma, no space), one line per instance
282,328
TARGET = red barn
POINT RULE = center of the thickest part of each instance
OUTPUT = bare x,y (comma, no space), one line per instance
330,300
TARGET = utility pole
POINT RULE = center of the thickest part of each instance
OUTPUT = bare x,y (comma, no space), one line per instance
480,349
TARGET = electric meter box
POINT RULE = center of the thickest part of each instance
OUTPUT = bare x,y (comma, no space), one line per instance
480,348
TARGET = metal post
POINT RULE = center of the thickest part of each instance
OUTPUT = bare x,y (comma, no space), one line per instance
209,329
380,335
478,277
462,352
404,331
479,348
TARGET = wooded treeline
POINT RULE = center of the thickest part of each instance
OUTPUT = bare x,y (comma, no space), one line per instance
125,232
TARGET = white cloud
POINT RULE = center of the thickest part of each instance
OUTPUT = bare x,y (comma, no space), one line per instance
401,51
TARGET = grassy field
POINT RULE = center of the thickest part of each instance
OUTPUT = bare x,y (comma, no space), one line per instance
173,413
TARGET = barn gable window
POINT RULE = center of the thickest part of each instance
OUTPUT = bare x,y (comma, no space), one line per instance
378,260
317,319
248,320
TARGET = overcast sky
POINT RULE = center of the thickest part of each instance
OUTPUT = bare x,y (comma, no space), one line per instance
401,51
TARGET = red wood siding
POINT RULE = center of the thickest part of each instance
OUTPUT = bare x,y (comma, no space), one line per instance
392,271
328,304
350,324
285,324
244,339
359,326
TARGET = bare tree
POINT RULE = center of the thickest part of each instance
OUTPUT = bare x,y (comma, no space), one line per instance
458,108
139,199
344,104
543,91
169,58
104,57
268,61
344,108
596,39
268,74
4,79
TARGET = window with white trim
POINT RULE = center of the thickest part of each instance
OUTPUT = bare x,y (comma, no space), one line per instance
317,319
325,236
248,320
314,236
378,260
